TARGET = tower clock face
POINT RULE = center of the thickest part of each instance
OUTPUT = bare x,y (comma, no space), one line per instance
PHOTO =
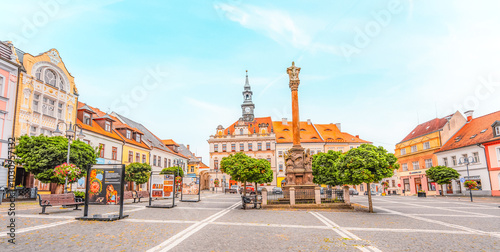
247,109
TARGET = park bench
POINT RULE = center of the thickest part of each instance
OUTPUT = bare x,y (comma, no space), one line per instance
130,195
251,200
64,200
142,194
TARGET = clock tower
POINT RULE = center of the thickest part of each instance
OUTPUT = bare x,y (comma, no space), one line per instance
247,107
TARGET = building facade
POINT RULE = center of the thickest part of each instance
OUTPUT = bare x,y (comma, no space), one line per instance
415,153
469,143
9,71
492,150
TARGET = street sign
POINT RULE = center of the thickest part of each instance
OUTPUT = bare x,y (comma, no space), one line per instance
462,180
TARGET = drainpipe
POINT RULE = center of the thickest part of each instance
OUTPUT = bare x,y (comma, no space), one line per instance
486,159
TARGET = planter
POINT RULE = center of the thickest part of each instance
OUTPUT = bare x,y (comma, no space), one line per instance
421,194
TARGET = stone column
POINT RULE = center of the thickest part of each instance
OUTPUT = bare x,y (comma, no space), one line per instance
347,197
293,73
264,197
317,195
292,196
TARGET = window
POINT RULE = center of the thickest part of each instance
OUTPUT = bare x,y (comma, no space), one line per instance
415,165
351,147
498,155
166,163
341,149
497,131
50,77
216,147
33,131
48,106
312,152
445,161
129,134
280,167
268,146
427,145
137,157
60,111
476,157
241,131
428,163
414,148
393,183
233,147
249,146
454,160
259,146
36,101
361,187
406,183
223,147
431,185
464,156
268,160
101,153
138,137
154,160
107,126
159,161
143,158
242,147
114,153
216,164
280,153
403,151
130,157
86,118
169,162
404,166
192,168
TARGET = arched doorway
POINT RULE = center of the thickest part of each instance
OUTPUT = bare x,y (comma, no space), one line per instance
204,180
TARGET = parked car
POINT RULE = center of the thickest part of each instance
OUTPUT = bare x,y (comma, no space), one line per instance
233,189
277,190
322,190
259,189
374,193
353,191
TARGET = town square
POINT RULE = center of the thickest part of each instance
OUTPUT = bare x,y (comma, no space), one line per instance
249,126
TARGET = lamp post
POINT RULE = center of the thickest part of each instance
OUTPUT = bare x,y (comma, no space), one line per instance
216,170
71,130
467,161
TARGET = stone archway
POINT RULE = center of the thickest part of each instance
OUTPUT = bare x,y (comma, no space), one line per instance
204,180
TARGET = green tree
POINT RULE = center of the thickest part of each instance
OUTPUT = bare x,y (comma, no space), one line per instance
138,173
177,171
367,164
325,168
245,169
39,155
442,175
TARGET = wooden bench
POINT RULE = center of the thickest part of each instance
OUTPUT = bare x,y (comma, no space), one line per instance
64,200
130,195
142,194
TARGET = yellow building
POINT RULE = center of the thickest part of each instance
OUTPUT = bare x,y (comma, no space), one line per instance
46,96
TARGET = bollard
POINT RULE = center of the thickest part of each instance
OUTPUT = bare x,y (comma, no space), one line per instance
317,195
292,196
264,197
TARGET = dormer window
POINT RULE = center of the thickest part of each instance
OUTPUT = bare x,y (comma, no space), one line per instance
138,137
497,131
86,118
107,126
129,134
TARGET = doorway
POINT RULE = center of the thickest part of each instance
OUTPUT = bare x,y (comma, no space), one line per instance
418,184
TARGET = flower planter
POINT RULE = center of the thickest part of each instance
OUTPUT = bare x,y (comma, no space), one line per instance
421,194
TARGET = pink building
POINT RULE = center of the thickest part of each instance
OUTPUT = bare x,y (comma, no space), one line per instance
9,71
492,149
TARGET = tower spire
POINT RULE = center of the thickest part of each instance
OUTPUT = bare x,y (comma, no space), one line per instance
247,106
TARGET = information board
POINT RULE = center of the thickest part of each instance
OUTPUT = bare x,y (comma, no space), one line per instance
162,185
190,189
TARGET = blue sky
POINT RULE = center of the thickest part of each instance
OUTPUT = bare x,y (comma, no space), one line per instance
377,67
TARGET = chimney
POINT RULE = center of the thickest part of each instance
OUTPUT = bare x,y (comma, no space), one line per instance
187,146
309,122
284,121
338,126
469,114
357,136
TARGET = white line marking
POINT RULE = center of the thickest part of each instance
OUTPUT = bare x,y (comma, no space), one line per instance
268,225
45,216
23,230
330,226
407,230
440,208
186,233
374,249
337,226
362,248
200,208
159,221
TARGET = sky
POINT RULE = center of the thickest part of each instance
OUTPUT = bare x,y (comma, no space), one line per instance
379,68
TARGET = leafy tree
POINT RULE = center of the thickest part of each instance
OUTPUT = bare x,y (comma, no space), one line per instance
442,175
325,168
367,164
39,155
177,171
245,169
138,173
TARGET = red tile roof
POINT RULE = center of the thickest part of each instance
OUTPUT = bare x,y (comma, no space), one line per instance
470,133
95,127
332,134
119,125
426,128
169,142
253,126
284,133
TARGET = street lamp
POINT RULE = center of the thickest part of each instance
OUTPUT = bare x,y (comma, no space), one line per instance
71,130
467,161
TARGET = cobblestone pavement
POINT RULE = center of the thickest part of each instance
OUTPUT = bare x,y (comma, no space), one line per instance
217,223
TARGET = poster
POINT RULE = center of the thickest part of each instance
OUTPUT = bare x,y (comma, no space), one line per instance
190,186
162,186
105,186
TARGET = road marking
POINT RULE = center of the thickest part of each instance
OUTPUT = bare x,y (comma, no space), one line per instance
440,208
44,216
160,221
268,225
186,233
451,215
367,248
24,230
330,226
200,208
408,230
319,216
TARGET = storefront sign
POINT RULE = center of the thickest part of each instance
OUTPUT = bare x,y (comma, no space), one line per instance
416,172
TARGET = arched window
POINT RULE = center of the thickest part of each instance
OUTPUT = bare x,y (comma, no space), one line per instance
50,77
241,131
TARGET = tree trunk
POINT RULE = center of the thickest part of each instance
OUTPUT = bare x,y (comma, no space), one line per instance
370,206
442,190
59,189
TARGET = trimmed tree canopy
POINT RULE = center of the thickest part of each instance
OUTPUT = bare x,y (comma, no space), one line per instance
173,170
41,154
138,173
325,168
246,169
442,174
